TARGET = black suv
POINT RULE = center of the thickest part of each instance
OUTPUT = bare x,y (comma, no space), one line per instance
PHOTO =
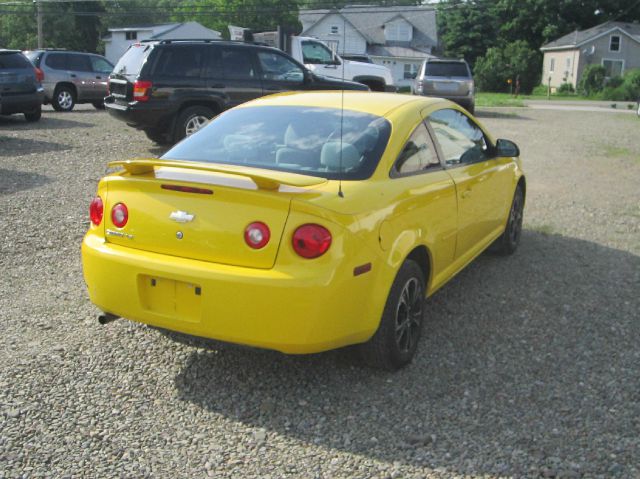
20,87
169,89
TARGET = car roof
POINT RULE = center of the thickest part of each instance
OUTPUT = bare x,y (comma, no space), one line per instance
379,104
6,51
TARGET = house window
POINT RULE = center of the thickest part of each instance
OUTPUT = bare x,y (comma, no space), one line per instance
613,68
614,43
552,65
398,32
334,30
568,64
410,71
131,35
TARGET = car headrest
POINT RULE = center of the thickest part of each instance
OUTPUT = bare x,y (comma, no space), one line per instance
330,156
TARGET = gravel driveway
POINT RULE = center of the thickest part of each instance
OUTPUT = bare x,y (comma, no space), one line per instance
530,365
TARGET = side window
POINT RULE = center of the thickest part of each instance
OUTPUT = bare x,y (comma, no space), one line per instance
417,155
460,139
316,53
214,62
237,64
78,63
100,65
57,61
278,67
180,61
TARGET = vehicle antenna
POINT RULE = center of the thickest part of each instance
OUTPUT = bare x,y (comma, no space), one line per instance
344,39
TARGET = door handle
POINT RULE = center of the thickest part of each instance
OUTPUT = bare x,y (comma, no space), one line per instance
73,75
99,78
466,193
217,85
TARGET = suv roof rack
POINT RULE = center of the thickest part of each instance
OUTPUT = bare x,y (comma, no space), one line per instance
201,40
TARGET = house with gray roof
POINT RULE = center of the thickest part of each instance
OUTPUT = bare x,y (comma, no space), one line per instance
118,40
614,45
400,38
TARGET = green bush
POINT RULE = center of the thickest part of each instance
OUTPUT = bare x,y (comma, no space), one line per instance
540,90
626,88
500,64
632,83
614,82
592,80
566,88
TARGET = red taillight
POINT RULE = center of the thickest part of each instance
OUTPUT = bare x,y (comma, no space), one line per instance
141,90
311,241
39,75
257,235
119,215
96,208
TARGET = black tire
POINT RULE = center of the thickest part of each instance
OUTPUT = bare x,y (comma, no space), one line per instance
33,115
98,105
190,120
64,99
508,242
159,137
395,342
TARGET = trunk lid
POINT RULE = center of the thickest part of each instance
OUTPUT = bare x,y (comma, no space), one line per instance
205,224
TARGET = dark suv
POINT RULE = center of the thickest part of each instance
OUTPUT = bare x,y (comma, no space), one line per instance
170,89
20,88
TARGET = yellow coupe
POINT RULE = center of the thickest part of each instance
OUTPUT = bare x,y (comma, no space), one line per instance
303,222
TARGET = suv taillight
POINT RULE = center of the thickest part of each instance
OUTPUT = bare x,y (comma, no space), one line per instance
141,90
39,74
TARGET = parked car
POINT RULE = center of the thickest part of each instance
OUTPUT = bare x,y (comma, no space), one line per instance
170,89
20,87
70,78
450,79
305,222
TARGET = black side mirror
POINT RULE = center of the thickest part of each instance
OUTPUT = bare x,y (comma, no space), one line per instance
507,148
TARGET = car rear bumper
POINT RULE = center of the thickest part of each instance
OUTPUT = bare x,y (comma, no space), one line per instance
278,309
138,115
20,102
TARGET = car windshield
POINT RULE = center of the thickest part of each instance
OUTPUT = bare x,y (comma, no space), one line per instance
446,69
133,59
325,142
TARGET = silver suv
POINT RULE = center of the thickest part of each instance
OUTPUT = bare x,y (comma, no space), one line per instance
450,79
72,77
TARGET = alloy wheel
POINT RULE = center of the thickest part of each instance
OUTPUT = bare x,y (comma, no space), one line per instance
515,218
65,100
408,316
195,123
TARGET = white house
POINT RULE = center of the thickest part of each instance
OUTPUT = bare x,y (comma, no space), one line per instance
119,39
399,38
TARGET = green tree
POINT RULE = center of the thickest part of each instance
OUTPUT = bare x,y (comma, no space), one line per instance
499,65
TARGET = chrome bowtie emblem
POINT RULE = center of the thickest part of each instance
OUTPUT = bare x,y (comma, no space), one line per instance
181,216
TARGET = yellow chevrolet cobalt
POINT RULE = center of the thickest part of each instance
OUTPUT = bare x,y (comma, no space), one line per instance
304,222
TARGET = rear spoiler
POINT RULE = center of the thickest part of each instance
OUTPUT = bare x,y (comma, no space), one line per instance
264,179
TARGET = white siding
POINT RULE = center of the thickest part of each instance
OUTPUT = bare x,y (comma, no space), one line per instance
347,40
118,44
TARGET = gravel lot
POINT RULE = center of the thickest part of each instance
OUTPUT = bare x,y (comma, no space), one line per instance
530,365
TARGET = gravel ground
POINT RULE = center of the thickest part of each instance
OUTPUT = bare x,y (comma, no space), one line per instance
530,365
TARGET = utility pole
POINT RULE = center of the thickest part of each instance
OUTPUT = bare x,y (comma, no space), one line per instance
39,21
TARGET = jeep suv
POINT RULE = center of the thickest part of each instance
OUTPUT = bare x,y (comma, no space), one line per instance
20,88
450,79
171,88
72,77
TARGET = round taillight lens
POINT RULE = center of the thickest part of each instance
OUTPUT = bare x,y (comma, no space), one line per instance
119,215
257,235
96,209
311,241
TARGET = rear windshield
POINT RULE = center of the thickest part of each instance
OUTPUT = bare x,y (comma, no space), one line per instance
446,69
297,139
133,60
14,60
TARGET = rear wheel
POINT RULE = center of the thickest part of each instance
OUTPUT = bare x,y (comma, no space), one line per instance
190,120
33,115
508,242
64,99
395,342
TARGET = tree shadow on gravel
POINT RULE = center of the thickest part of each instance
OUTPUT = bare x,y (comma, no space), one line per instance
529,366
508,115
12,181
10,146
47,122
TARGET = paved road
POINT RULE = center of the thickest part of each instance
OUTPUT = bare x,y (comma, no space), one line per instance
570,105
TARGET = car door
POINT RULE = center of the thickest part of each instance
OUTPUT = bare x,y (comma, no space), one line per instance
279,73
240,79
81,74
101,70
478,175
425,202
